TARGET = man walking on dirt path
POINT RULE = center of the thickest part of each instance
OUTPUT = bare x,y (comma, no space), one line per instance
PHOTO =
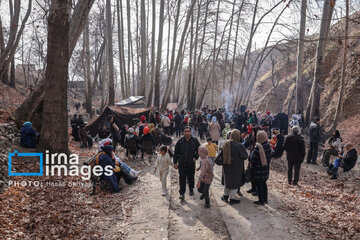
185,156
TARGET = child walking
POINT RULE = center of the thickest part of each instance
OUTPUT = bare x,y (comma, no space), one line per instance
205,177
163,162
211,147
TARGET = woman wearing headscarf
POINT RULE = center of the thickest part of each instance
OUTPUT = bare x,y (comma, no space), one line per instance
233,155
260,160
334,147
29,137
214,130
226,131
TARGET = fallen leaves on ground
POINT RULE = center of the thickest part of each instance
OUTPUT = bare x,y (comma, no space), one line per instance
324,208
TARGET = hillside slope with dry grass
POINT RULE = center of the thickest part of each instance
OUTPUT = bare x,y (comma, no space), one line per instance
281,97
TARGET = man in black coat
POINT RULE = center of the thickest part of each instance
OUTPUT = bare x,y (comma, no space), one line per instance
279,146
315,137
295,154
185,156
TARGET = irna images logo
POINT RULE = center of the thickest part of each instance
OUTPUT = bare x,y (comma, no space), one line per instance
16,154
59,164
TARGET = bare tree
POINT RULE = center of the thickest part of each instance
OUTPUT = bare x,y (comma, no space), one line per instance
151,90
300,60
158,56
55,139
109,52
8,52
227,51
143,36
214,58
31,105
235,46
319,74
343,69
130,48
87,72
121,48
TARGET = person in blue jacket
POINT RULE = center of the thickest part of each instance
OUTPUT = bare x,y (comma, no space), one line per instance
105,160
29,137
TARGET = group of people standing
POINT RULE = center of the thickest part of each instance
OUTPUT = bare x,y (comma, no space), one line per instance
231,139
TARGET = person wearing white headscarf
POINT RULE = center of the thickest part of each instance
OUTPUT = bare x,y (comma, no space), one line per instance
214,130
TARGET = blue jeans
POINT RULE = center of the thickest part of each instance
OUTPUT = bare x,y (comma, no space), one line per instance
337,163
125,167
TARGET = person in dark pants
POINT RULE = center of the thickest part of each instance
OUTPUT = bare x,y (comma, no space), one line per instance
315,138
260,159
206,176
295,154
252,143
74,125
185,156
178,124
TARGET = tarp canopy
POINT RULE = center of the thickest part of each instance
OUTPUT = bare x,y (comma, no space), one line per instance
133,101
122,116
172,106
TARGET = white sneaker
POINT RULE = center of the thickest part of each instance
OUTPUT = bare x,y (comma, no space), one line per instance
135,173
164,193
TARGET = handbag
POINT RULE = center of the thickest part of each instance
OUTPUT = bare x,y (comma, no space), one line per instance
219,159
248,175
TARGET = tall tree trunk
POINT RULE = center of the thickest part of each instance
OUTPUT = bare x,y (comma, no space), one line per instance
300,60
158,56
214,61
109,48
12,74
235,46
143,49
192,93
343,69
188,98
227,52
14,38
126,80
130,48
138,49
88,95
319,64
151,90
169,36
55,139
246,55
121,49
201,50
31,104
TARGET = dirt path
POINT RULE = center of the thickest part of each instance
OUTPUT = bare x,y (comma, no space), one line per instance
248,221
158,217
152,216
189,219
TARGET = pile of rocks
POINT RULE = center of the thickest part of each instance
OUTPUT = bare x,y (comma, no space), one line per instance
9,138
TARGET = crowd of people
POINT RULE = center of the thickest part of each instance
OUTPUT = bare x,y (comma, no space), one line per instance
229,138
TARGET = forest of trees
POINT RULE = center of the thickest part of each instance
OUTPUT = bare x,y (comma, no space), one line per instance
168,51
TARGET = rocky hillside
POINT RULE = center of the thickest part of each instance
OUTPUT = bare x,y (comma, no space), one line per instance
281,97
